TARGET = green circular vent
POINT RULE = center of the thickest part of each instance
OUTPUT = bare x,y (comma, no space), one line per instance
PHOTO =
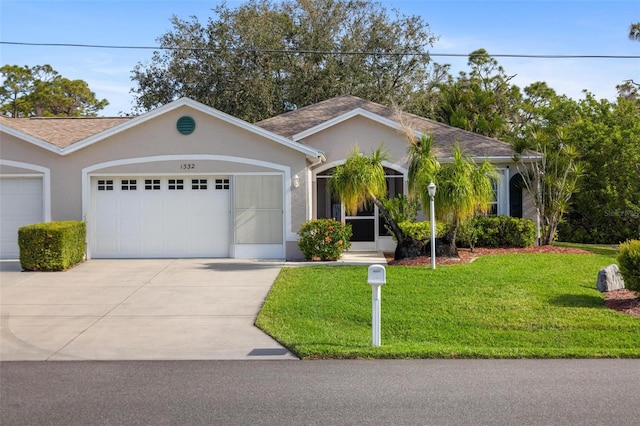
186,125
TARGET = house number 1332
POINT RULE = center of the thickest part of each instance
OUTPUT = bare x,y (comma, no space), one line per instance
187,166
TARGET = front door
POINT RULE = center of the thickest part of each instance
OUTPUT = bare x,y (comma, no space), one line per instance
363,226
369,232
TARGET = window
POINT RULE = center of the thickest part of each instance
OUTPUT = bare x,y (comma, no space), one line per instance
129,185
152,184
105,185
222,183
198,184
493,206
176,184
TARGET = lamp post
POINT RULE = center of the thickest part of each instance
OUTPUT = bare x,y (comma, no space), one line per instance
432,193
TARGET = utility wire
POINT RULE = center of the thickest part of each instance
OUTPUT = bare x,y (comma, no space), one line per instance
322,52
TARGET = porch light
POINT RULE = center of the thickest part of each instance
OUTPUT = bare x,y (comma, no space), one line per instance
296,181
432,193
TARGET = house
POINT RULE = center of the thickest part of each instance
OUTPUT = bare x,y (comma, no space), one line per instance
186,180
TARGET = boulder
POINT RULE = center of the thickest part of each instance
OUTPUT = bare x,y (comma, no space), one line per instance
610,278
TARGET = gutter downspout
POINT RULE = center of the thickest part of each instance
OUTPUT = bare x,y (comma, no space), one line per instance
322,158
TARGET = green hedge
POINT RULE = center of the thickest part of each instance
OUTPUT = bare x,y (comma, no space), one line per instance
504,231
629,260
422,230
51,246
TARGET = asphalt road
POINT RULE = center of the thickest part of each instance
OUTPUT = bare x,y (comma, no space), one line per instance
421,392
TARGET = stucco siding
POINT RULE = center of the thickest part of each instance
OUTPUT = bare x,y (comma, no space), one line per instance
337,142
155,147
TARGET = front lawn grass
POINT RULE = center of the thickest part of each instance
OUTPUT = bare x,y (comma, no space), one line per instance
610,250
505,306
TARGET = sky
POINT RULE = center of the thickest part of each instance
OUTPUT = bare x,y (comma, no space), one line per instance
542,27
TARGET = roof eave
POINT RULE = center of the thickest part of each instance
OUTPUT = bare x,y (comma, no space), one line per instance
197,106
29,138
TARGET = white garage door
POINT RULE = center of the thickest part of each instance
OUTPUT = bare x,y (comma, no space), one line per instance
155,217
20,204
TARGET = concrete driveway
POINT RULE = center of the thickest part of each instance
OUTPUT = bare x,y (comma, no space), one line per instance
161,309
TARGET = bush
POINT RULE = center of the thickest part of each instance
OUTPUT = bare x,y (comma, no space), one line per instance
324,239
51,246
421,231
629,260
504,231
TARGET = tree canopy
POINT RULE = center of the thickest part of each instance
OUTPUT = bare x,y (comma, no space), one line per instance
264,58
40,91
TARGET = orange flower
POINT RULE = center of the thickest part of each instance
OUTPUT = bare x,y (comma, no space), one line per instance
328,239
330,228
340,242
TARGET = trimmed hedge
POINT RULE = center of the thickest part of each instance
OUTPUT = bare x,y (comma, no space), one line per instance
629,260
421,231
52,246
505,231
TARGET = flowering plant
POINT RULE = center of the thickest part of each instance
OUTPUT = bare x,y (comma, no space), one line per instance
324,239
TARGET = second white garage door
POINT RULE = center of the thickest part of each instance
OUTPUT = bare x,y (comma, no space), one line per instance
156,217
20,204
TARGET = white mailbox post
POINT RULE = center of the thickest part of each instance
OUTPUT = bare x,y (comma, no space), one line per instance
377,277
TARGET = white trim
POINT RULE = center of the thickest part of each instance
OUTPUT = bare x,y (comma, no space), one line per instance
199,107
31,139
87,174
90,140
46,182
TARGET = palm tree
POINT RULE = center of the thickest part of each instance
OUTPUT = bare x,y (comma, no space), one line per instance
464,187
361,180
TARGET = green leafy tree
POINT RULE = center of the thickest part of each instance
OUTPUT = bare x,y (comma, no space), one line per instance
483,101
464,188
554,179
40,91
264,58
607,208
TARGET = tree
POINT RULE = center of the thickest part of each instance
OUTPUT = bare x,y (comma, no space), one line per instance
41,91
634,31
553,180
264,58
482,101
607,208
361,180
464,188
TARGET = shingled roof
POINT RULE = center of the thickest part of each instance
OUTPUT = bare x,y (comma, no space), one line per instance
295,122
62,131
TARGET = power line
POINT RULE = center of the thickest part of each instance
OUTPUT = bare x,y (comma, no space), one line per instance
322,52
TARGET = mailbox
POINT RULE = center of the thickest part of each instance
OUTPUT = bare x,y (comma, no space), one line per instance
377,275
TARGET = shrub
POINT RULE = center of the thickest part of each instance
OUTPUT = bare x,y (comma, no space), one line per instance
468,233
504,231
51,246
324,239
421,231
629,260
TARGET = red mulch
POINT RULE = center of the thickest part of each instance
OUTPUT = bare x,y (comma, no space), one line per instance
624,301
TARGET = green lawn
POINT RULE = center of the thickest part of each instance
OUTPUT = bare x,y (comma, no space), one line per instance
506,306
603,249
